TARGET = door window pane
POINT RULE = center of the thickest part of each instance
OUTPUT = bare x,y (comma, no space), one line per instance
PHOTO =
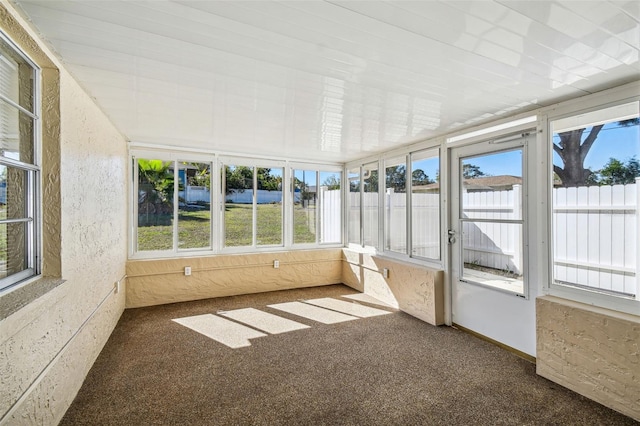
425,204
269,206
492,186
370,204
353,203
492,219
330,196
596,173
304,206
238,206
155,204
395,205
492,255
194,208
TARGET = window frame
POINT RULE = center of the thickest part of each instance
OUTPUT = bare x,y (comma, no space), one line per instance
175,158
410,238
388,162
429,146
318,169
254,164
218,163
316,172
572,108
33,195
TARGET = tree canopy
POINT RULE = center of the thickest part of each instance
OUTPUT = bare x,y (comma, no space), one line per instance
332,183
616,172
156,179
396,178
240,178
572,147
471,171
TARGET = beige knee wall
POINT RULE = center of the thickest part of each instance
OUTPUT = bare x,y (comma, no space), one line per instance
414,289
160,281
592,351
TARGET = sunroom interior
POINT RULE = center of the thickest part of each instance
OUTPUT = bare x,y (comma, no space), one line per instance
471,164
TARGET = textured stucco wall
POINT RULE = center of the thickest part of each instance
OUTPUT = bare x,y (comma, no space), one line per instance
154,282
592,351
48,346
414,289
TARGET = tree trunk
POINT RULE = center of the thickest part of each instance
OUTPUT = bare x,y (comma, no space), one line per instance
573,152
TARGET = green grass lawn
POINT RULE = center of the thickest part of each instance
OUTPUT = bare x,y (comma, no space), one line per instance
194,228
304,224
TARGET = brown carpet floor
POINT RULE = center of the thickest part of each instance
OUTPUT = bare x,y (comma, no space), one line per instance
385,370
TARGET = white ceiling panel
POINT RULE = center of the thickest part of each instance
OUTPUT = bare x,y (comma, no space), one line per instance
332,81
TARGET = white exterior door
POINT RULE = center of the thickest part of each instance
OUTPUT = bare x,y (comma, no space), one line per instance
488,231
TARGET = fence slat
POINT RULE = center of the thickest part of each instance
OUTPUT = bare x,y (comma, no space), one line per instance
582,223
593,234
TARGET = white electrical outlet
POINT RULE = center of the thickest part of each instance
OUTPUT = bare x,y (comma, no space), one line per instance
385,272
276,264
117,286
187,270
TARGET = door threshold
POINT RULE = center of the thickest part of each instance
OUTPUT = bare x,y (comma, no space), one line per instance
515,351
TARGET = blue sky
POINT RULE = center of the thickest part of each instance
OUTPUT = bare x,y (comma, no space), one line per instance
613,141
500,163
309,176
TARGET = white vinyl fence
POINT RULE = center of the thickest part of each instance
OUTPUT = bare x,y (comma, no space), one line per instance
330,215
595,234
425,221
493,244
596,231
193,194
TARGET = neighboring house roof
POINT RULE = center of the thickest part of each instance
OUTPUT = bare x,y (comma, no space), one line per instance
502,182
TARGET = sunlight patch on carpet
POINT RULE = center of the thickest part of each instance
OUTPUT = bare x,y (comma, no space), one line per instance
361,297
227,332
264,321
349,308
313,313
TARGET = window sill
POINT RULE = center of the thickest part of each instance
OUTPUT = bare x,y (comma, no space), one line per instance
411,261
19,296
595,299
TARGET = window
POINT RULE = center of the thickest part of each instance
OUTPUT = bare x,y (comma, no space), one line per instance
353,206
253,213
595,195
194,205
370,202
395,205
268,206
19,170
316,207
330,217
238,206
411,205
175,196
173,217
492,219
425,204
305,197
